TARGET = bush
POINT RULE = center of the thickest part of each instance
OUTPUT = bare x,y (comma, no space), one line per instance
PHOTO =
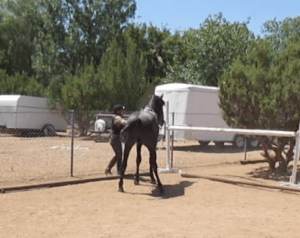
262,91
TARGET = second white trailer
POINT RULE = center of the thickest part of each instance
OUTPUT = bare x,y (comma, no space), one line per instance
198,106
23,113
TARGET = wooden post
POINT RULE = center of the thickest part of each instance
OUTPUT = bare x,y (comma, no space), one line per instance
245,149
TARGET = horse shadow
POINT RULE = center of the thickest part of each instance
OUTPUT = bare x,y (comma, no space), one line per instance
172,191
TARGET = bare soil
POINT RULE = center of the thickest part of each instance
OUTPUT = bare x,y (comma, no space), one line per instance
189,208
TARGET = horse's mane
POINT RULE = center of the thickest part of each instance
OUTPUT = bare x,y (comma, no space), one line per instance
151,103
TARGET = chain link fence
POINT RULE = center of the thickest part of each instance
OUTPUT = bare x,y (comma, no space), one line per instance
81,149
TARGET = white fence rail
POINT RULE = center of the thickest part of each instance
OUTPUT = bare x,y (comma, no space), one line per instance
236,131
296,135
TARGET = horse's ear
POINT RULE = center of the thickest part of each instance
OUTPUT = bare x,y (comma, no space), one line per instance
162,96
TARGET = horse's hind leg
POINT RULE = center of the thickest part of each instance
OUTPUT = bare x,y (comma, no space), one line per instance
154,168
138,162
126,151
151,172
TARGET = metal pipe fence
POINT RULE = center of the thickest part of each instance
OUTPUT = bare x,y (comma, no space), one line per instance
257,132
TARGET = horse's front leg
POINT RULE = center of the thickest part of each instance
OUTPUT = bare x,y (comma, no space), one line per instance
138,162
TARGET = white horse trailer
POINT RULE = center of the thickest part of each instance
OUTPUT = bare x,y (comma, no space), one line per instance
198,106
23,113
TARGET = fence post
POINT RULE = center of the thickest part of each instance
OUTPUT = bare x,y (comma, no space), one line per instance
167,137
72,142
169,166
245,148
173,133
296,158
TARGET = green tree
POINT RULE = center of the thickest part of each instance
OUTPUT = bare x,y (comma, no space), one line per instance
156,46
20,84
261,91
279,31
210,50
59,35
16,37
85,93
124,74
77,31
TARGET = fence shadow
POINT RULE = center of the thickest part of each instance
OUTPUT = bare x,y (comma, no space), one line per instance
264,172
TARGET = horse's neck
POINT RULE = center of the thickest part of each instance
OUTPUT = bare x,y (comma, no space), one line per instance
150,106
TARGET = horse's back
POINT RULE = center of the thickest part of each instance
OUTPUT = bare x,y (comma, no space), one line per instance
142,126
145,117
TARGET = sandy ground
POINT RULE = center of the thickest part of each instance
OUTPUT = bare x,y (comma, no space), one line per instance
189,208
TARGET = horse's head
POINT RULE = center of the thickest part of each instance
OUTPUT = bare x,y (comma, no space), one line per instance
156,103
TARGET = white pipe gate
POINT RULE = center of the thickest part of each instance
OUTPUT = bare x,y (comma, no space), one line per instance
169,128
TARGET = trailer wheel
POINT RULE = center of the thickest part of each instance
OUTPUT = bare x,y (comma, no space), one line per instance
49,130
238,141
254,142
203,142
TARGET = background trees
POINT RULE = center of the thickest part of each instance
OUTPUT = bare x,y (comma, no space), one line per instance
60,39
123,74
261,90
209,50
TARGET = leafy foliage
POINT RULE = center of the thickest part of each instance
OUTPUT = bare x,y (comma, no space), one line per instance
84,91
279,31
16,37
19,84
262,91
156,46
124,74
209,51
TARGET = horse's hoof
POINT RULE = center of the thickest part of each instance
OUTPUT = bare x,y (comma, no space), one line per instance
121,190
107,172
152,181
136,182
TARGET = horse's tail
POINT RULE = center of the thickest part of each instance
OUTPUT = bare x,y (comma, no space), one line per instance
129,126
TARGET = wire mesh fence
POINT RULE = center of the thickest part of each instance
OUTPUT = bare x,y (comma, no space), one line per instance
79,149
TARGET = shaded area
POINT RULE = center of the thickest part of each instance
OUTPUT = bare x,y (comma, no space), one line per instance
275,175
97,137
71,181
241,177
172,191
241,183
245,162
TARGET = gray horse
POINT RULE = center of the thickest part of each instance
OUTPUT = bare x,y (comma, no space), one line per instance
142,128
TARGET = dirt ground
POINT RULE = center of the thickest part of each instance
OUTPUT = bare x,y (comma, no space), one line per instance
189,208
